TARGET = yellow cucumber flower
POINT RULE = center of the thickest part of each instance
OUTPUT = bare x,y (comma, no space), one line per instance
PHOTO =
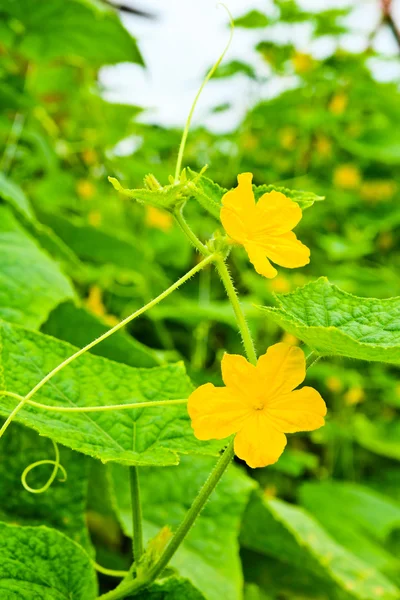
258,404
264,228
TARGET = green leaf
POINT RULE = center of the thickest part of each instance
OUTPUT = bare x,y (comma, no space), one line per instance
333,322
77,29
172,588
167,197
233,68
78,326
379,436
153,436
291,535
209,555
38,563
209,194
63,505
303,199
357,517
252,20
31,283
13,194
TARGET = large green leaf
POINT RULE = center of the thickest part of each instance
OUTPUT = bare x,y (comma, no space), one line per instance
357,517
78,29
31,283
172,588
333,322
63,505
38,563
13,194
291,535
209,555
78,326
152,436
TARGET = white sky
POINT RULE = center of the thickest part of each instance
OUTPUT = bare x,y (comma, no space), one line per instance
187,37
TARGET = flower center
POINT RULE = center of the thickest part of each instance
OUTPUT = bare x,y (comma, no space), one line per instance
258,404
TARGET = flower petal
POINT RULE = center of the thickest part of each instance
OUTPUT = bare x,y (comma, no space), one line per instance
281,369
240,377
301,410
258,443
215,412
275,214
257,256
237,207
286,250
233,224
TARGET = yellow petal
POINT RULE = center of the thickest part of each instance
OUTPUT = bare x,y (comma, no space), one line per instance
275,214
258,443
257,256
286,250
241,198
301,410
237,207
281,369
233,224
240,377
216,412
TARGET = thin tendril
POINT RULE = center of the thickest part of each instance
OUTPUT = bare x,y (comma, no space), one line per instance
85,409
206,80
57,467
26,399
109,572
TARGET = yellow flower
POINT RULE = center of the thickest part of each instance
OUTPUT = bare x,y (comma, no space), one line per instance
258,404
347,177
158,219
265,228
85,189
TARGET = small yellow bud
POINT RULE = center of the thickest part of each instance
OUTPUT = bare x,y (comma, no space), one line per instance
334,384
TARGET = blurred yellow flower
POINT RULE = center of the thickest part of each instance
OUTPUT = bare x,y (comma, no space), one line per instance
354,395
158,219
302,62
258,404
280,284
334,384
287,138
323,146
378,190
95,218
264,228
338,104
347,177
85,189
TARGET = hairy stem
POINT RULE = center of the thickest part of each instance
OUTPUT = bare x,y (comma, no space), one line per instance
237,309
136,514
105,335
180,219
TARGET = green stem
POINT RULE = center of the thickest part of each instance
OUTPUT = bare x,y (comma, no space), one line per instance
180,219
105,335
240,318
136,514
190,116
135,586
